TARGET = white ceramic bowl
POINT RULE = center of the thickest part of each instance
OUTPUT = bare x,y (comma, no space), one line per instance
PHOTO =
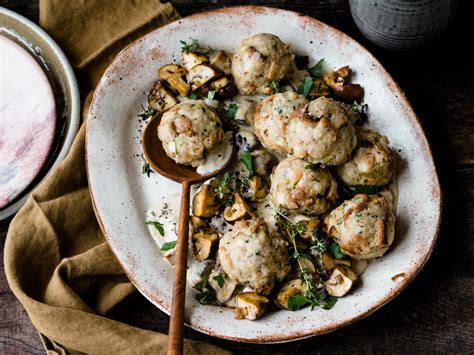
63,82
122,194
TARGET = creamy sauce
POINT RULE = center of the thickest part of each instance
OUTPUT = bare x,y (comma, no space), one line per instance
218,157
166,211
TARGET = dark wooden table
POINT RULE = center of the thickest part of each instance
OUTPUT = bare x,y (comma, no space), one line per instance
435,313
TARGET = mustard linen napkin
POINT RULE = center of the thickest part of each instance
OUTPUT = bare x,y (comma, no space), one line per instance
56,259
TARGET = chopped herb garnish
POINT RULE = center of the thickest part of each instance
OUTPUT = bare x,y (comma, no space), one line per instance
312,166
297,302
146,167
189,47
361,110
168,246
347,192
306,86
275,86
206,294
317,69
158,226
231,111
147,113
336,250
192,96
301,61
219,279
246,159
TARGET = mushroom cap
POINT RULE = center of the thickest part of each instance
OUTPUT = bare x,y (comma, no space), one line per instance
189,130
372,162
322,132
364,227
250,256
258,61
271,119
300,188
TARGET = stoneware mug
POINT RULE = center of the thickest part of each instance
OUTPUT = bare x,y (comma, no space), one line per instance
402,24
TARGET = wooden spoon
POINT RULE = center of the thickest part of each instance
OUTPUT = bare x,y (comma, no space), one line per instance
186,176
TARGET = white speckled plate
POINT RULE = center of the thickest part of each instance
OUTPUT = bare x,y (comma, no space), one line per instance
122,194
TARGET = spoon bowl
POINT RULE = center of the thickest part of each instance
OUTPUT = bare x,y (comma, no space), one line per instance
159,161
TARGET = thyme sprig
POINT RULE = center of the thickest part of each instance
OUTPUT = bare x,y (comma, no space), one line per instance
316,295
231,183
147,113
194,46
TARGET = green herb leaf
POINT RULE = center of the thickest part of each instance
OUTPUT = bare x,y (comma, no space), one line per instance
192,96
297,302
336,250
246,159
219,279
317,69
231,111
168,246
231,183
328,302
306,86
147,113
312,166
301,61
211,94
206,294
158,226
275,86
189,47
146,167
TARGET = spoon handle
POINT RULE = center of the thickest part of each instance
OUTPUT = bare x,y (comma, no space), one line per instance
176,327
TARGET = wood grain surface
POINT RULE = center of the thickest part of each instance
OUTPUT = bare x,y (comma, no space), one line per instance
435,313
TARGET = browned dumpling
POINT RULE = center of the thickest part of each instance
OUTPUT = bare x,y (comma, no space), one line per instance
322,132
299,187
258,61
272,116
250,256
364,226
372,162
190,130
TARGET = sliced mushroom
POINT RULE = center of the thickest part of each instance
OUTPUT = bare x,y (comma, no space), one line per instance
224,88
160,98
205,202
222,61
329,263
337,77
258,188
226,288
318,89
250,306
263,162
290,289
202,74
198,223
204,241
312,226
239,210
246,140
350,92
341,281
173,74
190,60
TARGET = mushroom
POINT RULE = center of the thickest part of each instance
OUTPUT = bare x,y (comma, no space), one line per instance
190,60
341,281
329,263
290,289
173,74
223,286
250,305
312,225
258,188
202,74
160,98
239,210
224,88
198,223
222,61
263,162
205,202
204,241
246,140
350,92
318,89
337,77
